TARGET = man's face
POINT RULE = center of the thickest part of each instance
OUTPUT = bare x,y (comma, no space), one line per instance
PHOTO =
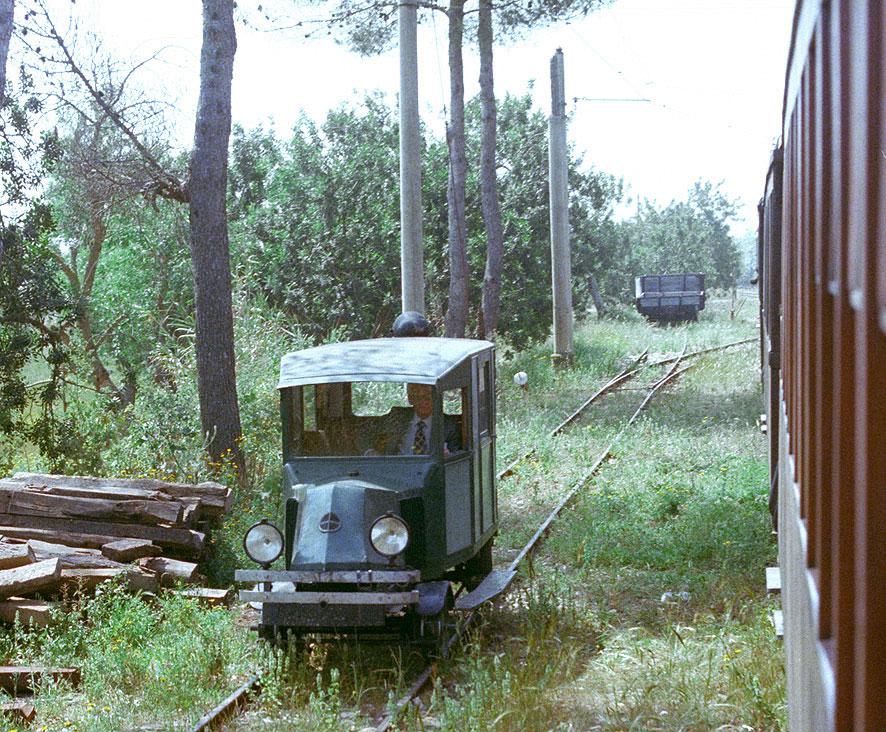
419,396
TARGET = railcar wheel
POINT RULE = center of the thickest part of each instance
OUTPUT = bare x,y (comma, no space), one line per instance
434,631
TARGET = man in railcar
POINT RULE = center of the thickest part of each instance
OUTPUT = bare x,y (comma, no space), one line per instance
407,431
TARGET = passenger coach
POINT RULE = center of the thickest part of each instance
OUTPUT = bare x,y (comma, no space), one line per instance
822,260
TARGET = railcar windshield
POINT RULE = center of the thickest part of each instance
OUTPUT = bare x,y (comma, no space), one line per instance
378,418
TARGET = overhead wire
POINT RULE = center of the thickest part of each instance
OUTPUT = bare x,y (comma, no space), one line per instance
445,109
645,96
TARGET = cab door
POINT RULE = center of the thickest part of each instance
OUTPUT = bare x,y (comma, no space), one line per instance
483,438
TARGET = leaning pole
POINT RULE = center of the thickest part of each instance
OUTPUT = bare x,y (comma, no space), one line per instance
412,285
561,266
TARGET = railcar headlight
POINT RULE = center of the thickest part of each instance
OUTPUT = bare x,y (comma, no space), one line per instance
263,542
389,535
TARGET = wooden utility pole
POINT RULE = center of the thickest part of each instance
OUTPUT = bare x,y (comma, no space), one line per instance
411,238
561,266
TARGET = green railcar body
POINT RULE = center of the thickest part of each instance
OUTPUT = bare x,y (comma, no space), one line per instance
336,485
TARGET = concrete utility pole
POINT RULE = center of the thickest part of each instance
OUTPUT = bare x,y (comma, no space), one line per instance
561,266
412,284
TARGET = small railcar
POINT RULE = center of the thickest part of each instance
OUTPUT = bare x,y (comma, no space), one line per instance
375,531
670,298
822,265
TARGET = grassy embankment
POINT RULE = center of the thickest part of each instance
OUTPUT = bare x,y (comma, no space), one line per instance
645,609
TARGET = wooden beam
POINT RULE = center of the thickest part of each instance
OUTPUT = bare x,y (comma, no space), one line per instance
27,611
17,679
216,498
184,541
70,539
88,579
20,710
171,571
15,555
16,498
128,550
29,578
208,595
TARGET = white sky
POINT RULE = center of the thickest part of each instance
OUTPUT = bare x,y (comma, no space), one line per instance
714,70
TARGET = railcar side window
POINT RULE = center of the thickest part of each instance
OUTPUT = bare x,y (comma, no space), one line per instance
310,410
483,395
455,434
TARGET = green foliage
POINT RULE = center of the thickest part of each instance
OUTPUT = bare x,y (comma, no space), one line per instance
326,704
24,154
510,687
323,244
690,236
33,309
708,675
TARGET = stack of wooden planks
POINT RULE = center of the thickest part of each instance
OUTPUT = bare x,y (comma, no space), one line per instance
58,533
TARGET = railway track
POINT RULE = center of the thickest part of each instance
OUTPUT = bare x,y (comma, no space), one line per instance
238,700
529,548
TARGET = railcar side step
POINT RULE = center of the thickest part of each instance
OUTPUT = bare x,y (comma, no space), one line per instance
493,584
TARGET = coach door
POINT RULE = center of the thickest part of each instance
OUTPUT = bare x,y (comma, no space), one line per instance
483,436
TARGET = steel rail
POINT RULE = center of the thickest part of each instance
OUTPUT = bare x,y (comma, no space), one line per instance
691,354
628,372
428,673
230,705
586,478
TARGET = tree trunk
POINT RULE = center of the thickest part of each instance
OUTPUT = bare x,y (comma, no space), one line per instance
598,300
457,312
488,179
210,260
7,11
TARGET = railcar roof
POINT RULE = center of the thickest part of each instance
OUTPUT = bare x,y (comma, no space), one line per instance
417,360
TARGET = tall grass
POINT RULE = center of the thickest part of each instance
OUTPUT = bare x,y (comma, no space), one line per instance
644,610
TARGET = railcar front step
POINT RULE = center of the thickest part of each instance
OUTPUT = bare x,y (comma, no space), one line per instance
493,584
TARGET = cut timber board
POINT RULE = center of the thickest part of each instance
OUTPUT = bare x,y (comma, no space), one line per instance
185,541
773,579
128,550
171,571
24,499
72,540
89,579
16,679
215,499
16,555
28,611
30,578
19,710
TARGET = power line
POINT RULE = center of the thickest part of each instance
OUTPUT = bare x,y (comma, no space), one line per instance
611,99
